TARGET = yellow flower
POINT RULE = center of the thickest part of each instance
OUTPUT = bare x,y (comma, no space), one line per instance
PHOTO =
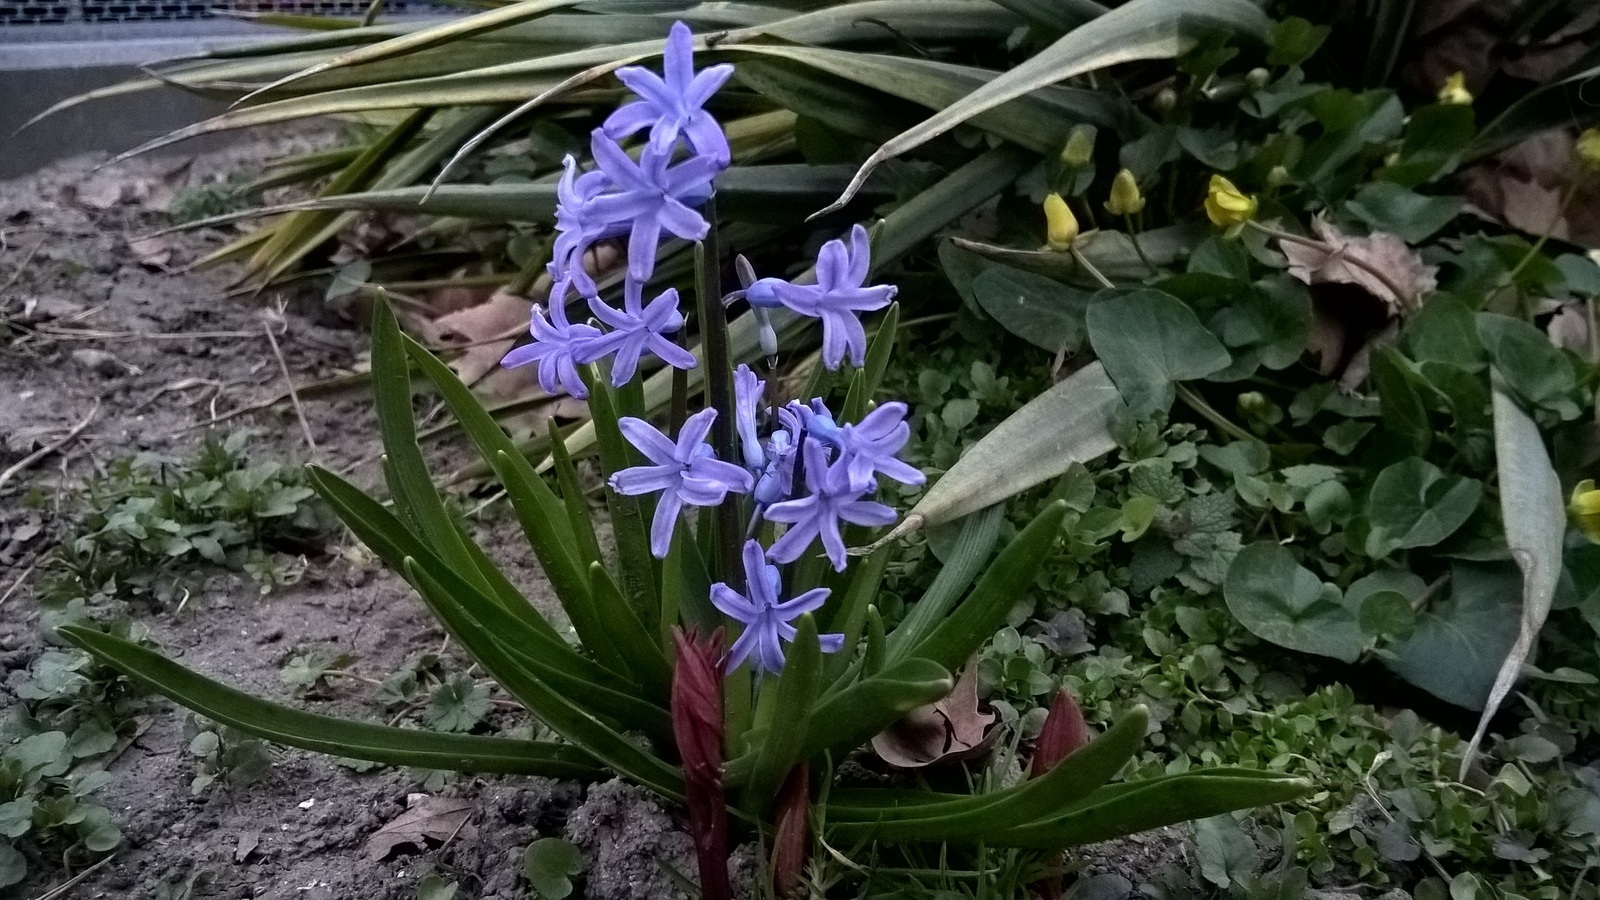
1588,148
1455,91
1061,226
1584,510
1080,147
1228,206
1125,197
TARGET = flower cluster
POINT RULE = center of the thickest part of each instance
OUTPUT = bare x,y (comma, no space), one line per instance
637,199
804,473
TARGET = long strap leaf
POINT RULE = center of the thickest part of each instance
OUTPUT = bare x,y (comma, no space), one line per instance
326,734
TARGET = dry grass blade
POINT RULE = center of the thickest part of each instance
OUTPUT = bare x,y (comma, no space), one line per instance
22,464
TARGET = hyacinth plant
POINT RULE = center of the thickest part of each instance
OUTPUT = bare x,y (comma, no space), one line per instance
729,654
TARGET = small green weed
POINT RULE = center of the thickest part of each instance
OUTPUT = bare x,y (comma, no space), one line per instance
224,755
145,523
205,201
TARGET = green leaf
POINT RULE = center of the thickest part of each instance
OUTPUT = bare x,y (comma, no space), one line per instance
973,546
458,704
885,816
1459,644
1387,206
1414,504
1225,853
1069,423
984,610
13,865
1385,602
1041,311
1285,603
326,734
1132,807
1400,395
1535,525
786,718
1293,41
1533,369
847,718
549,864
434,886
1137,30
1148,340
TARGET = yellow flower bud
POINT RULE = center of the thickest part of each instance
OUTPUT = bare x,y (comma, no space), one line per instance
1165,100
1455,90
1228,206
1584,510
1277,177
1080,147
1061,226
1257,78
1588,148
1125,197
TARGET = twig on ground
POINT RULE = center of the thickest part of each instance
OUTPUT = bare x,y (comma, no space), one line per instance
45,451
20,579
294,397
22,267
61,889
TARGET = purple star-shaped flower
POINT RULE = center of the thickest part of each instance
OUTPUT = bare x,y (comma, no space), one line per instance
651,197
869,446
838,298
556,346
684,472
673,105
766,621
577,227
818,515
635,329
775,482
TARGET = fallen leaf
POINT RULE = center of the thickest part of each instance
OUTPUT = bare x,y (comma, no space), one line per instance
248,842
429,821
1569,329
153,252
1345,259
487,331
947,730
1524,186
102,191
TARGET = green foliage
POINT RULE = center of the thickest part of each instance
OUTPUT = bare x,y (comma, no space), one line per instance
150,518
549,865
224,755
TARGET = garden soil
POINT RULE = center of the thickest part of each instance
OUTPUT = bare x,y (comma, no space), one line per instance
112,330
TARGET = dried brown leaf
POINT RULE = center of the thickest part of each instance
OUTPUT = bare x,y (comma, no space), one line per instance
429,821
947,730
1345,259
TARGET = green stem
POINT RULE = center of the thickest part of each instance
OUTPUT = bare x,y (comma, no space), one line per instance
1133,235
1197,403
1567,197
1089,267
719,389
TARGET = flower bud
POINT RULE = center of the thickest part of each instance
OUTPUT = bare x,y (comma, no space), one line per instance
1064,731
1455,90
1061,226
1257,78
1080,147
1165,100
1584,509
1277,177
791,834
1588,148
1228,206
698,731
1125,197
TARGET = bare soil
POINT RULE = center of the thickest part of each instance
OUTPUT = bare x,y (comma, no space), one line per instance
164,352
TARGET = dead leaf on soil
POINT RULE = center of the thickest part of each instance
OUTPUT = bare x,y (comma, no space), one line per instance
1569,329
153,252
430,821
947,730
248,842
1406,273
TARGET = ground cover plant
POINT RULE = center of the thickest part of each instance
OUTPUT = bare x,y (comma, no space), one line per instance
755,757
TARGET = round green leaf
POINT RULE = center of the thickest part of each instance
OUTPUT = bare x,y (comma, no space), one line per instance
1041,311
13,865
549,865
1459,643
1283,602
1414,504
1148,340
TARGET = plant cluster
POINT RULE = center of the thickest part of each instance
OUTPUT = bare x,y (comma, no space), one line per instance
747,735
148,519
